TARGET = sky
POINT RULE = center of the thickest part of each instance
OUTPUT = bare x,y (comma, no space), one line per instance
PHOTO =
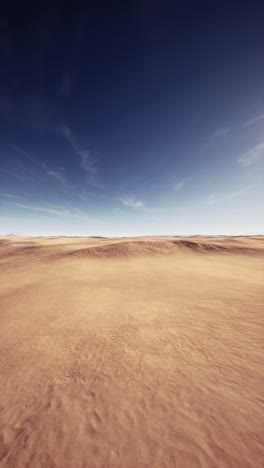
132,118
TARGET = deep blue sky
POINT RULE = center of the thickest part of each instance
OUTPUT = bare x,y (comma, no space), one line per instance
143,117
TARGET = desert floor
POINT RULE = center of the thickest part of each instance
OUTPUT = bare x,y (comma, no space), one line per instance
141,352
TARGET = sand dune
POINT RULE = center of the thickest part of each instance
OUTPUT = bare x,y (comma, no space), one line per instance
141,352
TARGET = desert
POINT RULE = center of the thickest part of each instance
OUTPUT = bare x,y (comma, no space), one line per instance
131,352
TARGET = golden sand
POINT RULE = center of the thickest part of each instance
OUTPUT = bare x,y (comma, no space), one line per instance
142,352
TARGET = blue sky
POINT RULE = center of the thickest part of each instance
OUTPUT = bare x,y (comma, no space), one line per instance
132,119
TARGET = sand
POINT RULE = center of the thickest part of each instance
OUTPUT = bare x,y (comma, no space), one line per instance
142,352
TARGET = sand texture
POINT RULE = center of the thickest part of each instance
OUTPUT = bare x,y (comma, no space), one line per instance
141,352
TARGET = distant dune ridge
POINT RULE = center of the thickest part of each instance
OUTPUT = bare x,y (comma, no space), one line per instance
131,352
76,246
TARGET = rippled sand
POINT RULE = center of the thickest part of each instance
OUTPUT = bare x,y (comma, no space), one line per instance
143,352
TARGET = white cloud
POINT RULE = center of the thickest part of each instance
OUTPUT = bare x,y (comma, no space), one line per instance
38,208
9,195
221,132
252,121
130,201
83,197
15,174
56,174
89,166
87,163
60,177
20,151
86,195
181,183
212,199
64,130
252,156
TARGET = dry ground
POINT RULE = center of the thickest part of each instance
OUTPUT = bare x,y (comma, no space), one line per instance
143,352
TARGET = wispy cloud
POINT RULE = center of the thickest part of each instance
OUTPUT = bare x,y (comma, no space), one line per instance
63,211
181,183
56,174
252,156
9,195
41,165
17,175
20,152
87,163
59,176
213,139
86,195
83,197
72,212
251,122
212,199
221,132
131,202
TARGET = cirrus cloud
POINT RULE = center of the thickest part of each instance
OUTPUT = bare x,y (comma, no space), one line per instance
87,163
252,156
